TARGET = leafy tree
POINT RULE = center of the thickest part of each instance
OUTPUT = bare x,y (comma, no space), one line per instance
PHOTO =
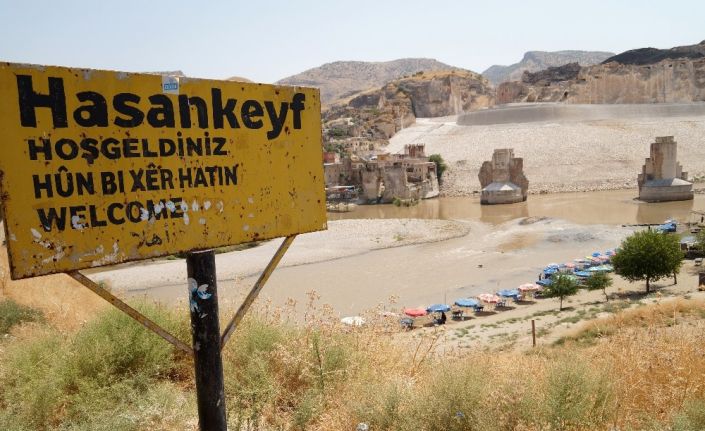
700,240
563,285
648,255
599,281
440,165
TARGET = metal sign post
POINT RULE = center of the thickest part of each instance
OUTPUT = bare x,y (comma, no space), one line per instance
205,329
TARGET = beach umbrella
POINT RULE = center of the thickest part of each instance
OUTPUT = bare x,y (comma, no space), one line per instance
353,320
570,265
596,254
415,312
467,302
609,253
545,282
508,293
553,265
583,274
529,287
438,308
550,271
601,268
488,297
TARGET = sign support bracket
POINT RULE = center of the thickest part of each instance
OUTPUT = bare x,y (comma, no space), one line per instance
256,289
139,317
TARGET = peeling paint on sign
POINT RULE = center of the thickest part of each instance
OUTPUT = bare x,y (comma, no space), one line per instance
99,167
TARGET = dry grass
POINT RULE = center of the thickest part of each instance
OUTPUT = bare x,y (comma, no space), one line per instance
643,372
62,300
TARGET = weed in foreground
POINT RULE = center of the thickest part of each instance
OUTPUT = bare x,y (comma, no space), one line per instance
12,313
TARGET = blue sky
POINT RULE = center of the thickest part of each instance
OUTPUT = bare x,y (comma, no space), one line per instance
268,40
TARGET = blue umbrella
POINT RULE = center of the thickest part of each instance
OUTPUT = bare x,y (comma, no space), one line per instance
508,293
549,271
596,254
438,308
583,273
467,302
545,282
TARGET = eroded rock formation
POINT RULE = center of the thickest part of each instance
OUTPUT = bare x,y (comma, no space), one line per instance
653,76
377,115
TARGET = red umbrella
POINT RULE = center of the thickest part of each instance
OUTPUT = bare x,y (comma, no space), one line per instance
415,312
489,298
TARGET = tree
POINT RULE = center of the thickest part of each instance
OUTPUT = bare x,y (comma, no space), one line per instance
599,281
648,255
563,285
440,165
700,240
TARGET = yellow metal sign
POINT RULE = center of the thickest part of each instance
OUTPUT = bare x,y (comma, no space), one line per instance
102,167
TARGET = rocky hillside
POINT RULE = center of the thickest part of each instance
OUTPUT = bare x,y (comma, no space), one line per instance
645,75
376,115
344,78
534,61
644,56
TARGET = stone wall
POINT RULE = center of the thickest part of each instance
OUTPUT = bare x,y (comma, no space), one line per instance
662,177
502,179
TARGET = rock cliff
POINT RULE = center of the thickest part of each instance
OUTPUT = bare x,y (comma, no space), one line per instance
379,114
638,76
534,61
345,78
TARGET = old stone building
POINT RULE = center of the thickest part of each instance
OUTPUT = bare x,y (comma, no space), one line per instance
662,178
384,177
502,179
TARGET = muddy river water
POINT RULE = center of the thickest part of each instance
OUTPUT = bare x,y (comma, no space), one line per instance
615,207
503,250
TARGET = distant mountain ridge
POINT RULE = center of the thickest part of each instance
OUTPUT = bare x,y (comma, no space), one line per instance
345,78
534,61
644,75
643,56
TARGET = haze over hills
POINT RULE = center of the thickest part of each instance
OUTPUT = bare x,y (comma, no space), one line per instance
344,78
534,61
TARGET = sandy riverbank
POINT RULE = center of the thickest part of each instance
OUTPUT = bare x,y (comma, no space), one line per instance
510,328
558,156
344,238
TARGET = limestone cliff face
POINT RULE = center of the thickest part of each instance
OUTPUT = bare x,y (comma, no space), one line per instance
535,61
635,80
379,114
681,80
342,79
447,93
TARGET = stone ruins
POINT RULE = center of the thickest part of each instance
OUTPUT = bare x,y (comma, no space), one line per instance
502,179
383,177
662,178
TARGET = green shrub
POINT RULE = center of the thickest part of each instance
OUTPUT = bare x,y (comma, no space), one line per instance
12,313
691,417
440,165
111,374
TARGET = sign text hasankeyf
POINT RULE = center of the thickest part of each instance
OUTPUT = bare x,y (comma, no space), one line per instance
102,167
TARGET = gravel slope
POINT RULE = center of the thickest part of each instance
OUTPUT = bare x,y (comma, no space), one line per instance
558,156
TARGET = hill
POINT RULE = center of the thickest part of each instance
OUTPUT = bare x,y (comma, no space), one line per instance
376,115
534,61
645,75
644,56
344,78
